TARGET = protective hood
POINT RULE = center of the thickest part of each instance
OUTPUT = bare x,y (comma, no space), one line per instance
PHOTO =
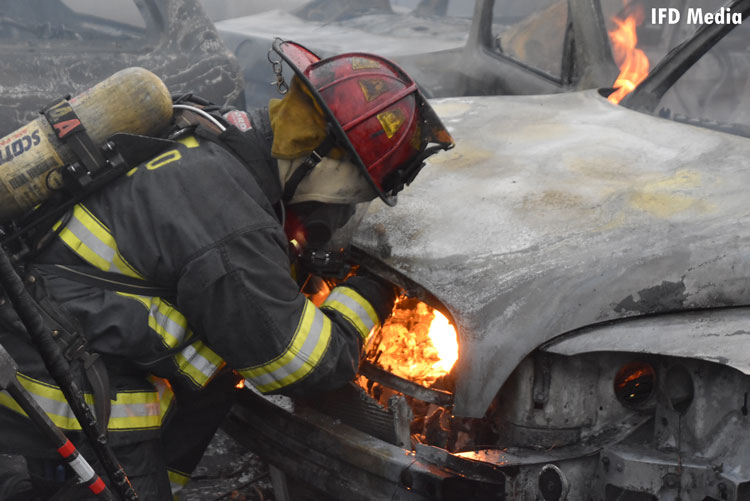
331,181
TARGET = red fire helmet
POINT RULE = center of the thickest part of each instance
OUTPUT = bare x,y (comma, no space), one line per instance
376,112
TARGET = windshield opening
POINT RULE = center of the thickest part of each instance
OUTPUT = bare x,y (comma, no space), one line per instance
656,39
532,33
715,91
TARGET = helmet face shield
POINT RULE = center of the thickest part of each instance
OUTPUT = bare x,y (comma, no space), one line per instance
376,112
434,131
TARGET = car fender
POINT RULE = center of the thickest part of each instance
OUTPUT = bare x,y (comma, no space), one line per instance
721,336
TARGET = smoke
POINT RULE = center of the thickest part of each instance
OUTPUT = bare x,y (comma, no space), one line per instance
229,9
124,11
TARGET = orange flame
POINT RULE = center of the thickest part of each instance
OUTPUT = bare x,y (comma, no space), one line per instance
416,342
443,337
633,62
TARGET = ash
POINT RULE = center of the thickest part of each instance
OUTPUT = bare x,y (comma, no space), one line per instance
226,472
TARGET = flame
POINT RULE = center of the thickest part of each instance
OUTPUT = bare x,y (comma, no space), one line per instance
443,337
416,342
633,62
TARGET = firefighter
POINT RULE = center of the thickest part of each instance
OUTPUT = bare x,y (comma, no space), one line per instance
179,278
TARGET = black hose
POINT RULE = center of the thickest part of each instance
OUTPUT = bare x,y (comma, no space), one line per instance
59,369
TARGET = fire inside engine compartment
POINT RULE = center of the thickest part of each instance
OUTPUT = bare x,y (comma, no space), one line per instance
403,393
405,376
417,344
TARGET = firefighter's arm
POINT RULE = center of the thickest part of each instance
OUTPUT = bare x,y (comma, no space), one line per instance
240,297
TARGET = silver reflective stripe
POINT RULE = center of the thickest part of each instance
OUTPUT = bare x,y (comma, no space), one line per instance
170,326
91,241
363,320
199,362
51,406
136,410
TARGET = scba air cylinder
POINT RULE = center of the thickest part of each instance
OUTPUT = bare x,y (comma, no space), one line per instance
133,100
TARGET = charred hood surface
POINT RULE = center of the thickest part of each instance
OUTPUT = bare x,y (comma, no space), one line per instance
557,212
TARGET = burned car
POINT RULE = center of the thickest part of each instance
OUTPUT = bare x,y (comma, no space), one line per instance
50,48
593,260
459,48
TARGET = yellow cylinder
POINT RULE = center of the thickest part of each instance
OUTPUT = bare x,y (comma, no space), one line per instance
133,100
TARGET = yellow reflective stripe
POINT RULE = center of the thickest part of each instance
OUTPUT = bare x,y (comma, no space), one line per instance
189,141
177,480
66,422
93,242
131,410
164,319
302,355
356,309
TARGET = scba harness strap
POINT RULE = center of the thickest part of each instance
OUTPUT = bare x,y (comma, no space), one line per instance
67,333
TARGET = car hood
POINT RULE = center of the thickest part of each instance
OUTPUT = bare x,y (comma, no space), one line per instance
557,212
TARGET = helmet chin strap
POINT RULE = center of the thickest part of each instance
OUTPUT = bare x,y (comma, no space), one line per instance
307,165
